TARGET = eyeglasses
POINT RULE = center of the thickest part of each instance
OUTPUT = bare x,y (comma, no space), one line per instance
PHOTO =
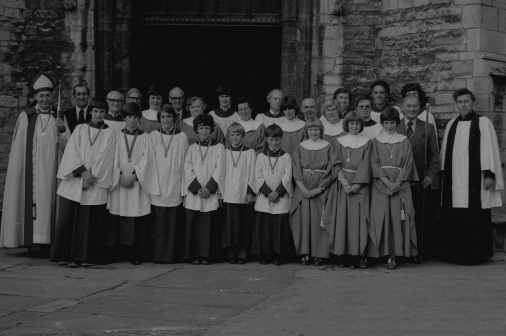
177,98
117,101
134,98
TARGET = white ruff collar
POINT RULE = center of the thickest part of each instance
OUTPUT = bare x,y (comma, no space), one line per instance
249,125
333,129
188,121
291,125
324,120
353,140
150,114
385,137
314,145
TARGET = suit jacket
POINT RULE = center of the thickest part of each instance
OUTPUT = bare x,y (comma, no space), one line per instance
418,144
71,117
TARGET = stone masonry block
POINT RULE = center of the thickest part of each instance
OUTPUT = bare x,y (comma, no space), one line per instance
406,4
473,39
470,2
493,41
470,55
390,5
471,16
502,20
13,3
419,3
437,2
5,35
442,98
501,4
480,85
489,18
480,68
462,67
447,57
12,13
388,32
332,80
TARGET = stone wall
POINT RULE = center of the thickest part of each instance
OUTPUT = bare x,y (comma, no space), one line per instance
40,36
438,43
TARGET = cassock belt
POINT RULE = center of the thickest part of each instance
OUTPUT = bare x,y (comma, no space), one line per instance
312,171
349,170
391,167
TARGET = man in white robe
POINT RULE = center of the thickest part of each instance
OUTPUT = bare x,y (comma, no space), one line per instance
86,174
113,118
274,115
29,195
471,184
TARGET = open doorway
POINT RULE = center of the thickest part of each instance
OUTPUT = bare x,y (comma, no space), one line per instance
200,57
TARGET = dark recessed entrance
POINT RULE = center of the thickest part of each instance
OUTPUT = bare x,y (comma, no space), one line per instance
203,52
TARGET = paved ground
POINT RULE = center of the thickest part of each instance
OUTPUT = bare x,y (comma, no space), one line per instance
41,298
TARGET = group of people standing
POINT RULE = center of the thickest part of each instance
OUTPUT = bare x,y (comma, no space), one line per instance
170,184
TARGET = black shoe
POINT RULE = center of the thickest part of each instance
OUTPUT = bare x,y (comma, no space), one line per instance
317,262
391,264
276,262
196,262
263,262
205,261
232,261
363,263
136,262
241,261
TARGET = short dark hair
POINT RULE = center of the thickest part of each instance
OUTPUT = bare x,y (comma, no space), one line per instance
289,103
99,103
389,114
80,85
422,98
203,120
242,100
381,83
131,109
224,89
352,116
273,131
166,108
462,92
342,90
364,97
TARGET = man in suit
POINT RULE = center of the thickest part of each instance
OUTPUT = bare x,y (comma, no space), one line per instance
427,167
176,99
81,112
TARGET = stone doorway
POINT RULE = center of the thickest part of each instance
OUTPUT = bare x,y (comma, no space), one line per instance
200,57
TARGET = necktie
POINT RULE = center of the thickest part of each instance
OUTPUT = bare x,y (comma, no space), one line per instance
409,130
81,120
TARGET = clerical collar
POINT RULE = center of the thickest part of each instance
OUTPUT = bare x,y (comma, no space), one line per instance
224,113
209,142
369,123
269,152
82,108
98,125
271,114
132,132
48,111
169,130
116,117
238,148
468,117
377,108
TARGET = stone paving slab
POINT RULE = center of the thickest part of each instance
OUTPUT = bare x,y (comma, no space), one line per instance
222,298
376,302
12,303
64,323
250,278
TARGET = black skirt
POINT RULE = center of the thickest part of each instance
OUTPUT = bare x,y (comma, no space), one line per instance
167,234
237,226
272,235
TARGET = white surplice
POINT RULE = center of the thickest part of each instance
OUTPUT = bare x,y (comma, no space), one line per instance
224,123
201,166
97,159
240,177
169,167
489,160
373,131
135,201
282,174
